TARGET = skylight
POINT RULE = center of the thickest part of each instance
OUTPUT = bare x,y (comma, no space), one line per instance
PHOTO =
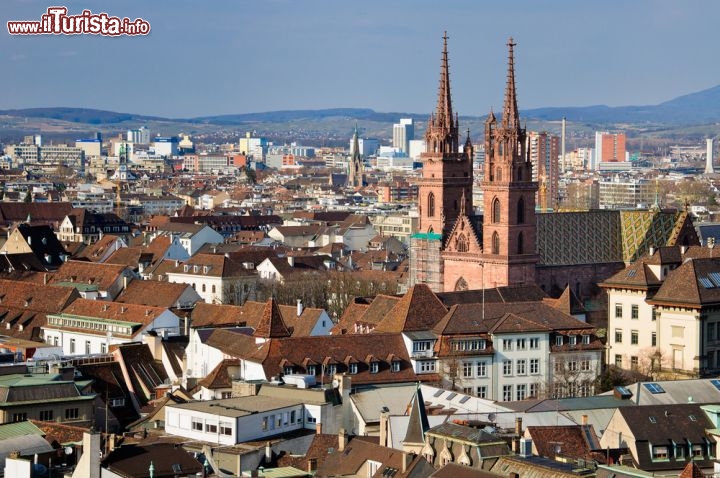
706,283
631,273
716,382
465,399
438,393
715,278
451,396
654,388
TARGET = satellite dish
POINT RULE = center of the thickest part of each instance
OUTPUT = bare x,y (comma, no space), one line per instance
68,450
491,417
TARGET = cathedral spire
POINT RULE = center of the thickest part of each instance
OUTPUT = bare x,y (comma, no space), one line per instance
444,114
510,117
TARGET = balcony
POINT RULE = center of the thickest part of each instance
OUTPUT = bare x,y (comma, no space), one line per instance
422,354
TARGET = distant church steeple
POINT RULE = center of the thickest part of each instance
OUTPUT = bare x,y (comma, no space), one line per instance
355,167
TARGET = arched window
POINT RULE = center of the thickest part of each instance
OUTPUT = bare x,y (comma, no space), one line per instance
521,211
461,284
498,174
495,243
203,287
520,245
496,210
431,205
461,244
213,286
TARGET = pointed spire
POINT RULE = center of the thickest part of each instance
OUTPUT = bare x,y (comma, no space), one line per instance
510,118
418,423
271,324
444,114
356,143
491,117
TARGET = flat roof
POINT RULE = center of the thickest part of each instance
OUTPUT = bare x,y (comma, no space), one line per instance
238,407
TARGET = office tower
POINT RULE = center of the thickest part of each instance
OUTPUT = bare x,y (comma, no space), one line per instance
403,133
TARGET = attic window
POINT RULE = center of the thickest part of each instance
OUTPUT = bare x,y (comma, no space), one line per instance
585,339
374,367
652,419
186,268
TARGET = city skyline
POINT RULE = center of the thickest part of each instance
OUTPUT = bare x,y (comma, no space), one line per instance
281,55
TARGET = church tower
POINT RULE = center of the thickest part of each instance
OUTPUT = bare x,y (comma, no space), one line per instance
509,223
355,172
446,184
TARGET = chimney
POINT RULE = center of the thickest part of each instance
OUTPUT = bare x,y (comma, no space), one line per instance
518,434
299,307
652,250
584,421
89,464
45,278
384,423
683,250
291,260
268,453
318,428
125,282
342,439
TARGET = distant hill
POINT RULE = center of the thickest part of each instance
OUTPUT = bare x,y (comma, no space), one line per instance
80,115
701,107
694,108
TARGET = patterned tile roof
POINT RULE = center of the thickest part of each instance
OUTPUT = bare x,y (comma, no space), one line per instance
595,237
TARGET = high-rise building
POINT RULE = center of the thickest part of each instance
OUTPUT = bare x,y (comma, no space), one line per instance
609,148
403,133
544,150
139,136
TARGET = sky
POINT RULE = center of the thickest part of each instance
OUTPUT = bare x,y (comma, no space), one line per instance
218,57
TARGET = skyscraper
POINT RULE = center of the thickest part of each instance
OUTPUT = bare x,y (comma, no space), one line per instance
403,133
609,148
544,150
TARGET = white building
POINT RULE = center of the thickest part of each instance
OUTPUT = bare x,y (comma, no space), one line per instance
88,327
403,133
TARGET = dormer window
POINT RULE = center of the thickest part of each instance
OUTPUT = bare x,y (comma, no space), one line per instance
586,339
287,370
559,340
352,368
573,340
311,370
186,268
395,366
374,367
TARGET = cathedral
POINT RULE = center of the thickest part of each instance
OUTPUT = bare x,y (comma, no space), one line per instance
511,243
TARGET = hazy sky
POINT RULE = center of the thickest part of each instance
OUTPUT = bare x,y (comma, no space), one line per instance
221,57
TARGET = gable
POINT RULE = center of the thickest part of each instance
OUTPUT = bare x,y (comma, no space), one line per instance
463,237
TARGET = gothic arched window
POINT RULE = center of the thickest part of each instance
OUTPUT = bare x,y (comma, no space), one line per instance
461,245
498,174
431,205
521,211
496,210
520,243
461,284
495,243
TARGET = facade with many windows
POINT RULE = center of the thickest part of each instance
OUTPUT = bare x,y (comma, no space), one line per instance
663,314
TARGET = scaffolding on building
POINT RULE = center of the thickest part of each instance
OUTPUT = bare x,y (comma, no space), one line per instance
426,266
